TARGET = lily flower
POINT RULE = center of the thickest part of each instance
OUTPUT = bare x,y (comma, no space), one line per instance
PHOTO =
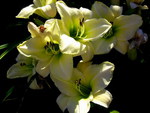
78,29
123,28
43,8
25,67
87,84
44,47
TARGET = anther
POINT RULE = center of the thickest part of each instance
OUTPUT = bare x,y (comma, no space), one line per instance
42,28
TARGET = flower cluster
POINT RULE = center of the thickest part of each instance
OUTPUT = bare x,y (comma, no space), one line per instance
69,32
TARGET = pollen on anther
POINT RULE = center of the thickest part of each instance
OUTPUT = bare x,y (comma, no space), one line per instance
42,28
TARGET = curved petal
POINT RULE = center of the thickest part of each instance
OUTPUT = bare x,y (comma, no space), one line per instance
82,66
77,105
96,28
26,12
70,16
39,3
23,58
62,101
46,11
126,26
88,55
122,46
53,27
34,30
68,45
117,10
33,47
102,75
100,10
19,71
65,87
102,98
86,13
61,66
103,46
43,67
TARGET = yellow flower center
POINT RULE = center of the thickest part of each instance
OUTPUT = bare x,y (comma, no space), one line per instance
51,47
82,89
109,34
78,32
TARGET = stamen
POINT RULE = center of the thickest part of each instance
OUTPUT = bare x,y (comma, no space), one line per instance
52,47
108,34
83,90
22,64
81,21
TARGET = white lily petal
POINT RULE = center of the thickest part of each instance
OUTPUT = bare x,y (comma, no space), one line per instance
61,66
96,28
102,98
100,10
26,12
82,66
88,55
84,106
126,26
117,10
103,46
53,27
122,46
39,3
33,47
86,13
46,11
21,57
18,71
70,16
34,30
102,76
62,101
68,45
65,87
77,105
43,67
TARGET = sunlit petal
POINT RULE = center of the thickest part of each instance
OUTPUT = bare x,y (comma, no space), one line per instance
122,46
100,10
126,26
102,76
103,46
102,98
26,12
96,28
68,45
61,66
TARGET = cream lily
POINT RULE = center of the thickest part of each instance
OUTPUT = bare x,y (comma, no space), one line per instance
123,28
87,84
44,47
43,8
79,29
25,67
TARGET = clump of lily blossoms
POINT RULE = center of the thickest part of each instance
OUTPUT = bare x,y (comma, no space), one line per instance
70,32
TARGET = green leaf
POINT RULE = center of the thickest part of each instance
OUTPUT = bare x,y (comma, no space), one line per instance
8,93
38,21
3,46
114,111
8,48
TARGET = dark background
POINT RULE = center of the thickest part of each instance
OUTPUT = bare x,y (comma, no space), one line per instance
130,85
